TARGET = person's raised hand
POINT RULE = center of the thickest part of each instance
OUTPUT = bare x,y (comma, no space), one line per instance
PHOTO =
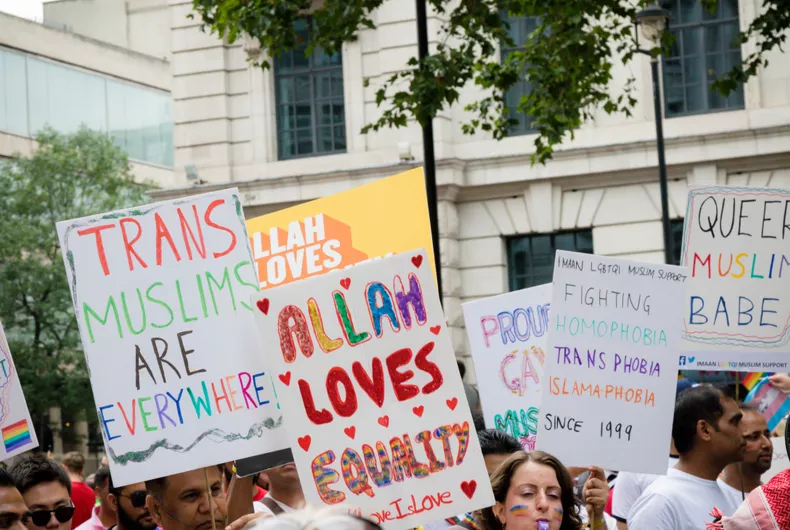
781,381
596,493
244,520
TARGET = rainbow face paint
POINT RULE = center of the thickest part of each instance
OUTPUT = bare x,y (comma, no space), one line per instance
519,510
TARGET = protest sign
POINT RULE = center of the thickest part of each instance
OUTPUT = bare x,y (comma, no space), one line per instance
15,425
335,232
779,462
611,362
161,297
736,244
507,334
377,415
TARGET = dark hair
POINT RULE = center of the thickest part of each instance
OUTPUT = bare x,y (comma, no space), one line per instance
461,367
155,486
494,442
478,421
702,402
74,462
102,477
6,480
37,469
502,477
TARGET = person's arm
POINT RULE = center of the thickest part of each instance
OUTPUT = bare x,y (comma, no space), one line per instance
621,526
239,501
781,381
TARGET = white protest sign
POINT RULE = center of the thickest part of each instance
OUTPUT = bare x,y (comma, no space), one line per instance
779,462
507,334
736,244
161,294
611,362
15,425
377,416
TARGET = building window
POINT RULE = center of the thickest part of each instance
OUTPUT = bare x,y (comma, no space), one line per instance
520,29
311,116
706,46
676,234
530,259
36,92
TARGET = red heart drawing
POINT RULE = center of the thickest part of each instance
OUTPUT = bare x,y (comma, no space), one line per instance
418,410
384,421
285,378
263,305
417,260
305,441
346,283
452,403
469,488
436,329
350,431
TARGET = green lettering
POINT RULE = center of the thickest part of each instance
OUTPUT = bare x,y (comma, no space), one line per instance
161,303
144,415
88,312
253,286
181,304
128,317
210,280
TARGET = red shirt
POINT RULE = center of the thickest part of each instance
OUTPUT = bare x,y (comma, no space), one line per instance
84,500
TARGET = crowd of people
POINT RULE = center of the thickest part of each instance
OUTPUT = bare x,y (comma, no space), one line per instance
720,450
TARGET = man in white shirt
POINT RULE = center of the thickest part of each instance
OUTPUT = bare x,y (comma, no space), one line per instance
707,434
738,480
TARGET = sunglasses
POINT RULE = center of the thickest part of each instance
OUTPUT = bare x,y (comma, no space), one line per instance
137,498
42,517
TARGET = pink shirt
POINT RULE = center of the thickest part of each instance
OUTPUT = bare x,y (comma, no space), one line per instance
94,523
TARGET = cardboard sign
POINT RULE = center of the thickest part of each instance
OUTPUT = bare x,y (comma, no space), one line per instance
161,294
507,334
611,362
377,415
736,245
15,425
367,222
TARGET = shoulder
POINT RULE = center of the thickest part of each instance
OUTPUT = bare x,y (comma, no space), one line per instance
653,510
259,507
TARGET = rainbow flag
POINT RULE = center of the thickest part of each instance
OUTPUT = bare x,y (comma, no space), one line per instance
752,378
771,402
16,435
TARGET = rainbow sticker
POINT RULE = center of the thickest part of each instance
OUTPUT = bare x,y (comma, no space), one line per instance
16,435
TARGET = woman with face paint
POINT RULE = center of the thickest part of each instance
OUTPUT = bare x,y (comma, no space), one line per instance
533,491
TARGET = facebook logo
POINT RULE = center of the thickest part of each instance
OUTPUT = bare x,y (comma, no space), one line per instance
682,360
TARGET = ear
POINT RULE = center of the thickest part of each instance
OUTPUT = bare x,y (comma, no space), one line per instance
704,430
155,509
499,512
113,501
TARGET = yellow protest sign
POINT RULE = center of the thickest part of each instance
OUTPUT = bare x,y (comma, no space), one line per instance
371,221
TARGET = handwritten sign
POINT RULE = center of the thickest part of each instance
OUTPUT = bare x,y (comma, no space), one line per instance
779,462
507,334
736,245
611,362
335,232
161,297
15,425
377,415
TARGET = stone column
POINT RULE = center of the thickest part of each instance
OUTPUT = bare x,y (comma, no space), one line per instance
56,426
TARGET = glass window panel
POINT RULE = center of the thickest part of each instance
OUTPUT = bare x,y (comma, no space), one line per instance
286,89
13,94
340,137
287,144
692,70
338,113
324,136
691,41
695,98
713,38
323,86
337,84
728,8
304,116
690,11
731,36
324,114
304,141
302,88
300,60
